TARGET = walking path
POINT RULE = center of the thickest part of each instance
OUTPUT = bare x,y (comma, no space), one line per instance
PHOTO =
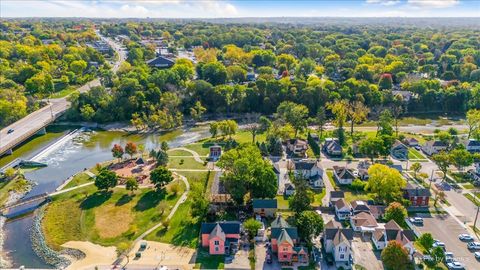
196,156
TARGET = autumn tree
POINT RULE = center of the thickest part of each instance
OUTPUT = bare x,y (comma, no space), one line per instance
131,149
397,212
385,182
395,256
117,151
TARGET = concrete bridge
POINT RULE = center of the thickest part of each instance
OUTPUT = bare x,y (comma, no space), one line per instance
36,122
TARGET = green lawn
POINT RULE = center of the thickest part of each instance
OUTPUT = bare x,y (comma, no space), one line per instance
184,163
472,199
282,202
330,178
63,93
353,196
78,179
414,154
19,184
105,218
468,186
318,197
206,261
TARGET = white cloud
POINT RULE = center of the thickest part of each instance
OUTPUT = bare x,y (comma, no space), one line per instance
433,3
384,2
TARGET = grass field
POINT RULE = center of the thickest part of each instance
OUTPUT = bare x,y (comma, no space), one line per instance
330,178
282,202
415,154
105,218
19,184
318,197
184,163
78,179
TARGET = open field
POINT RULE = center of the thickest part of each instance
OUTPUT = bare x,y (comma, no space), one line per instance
107,218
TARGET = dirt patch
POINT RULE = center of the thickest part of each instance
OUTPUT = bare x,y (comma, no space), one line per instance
112,221
171,256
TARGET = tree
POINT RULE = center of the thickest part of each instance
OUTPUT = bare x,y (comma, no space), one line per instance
473,122
385,182
117,151
214,129
397,110
131,149
395,256
385,122
440,195
340,111
301,199
397,212
236,74
246,172
385,82
461,158
294,114
426,240
106,179
253,128
161,157
309,224
199,206
87,112
131,184
162,207
371,147
321,120
78,66
197,111
442,160
164,146
214,73
415,167
160,176
357,112
252,226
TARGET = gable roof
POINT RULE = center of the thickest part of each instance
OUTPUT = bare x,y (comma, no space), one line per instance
337,194
265,203
392,225
217,232
228,227
333,224
342,236
160,61
399,144
279,222
339,204
331,233
360,206
343,172
363,219
284,237
306,164
291,231
332,145
436,144
289,186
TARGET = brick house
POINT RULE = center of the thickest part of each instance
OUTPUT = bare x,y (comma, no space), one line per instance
417,195
220,237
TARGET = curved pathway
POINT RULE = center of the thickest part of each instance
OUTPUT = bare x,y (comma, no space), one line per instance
195,155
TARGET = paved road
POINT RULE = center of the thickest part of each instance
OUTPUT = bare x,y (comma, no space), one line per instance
446,229
32,123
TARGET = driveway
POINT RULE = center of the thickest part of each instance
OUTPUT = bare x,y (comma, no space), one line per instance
240,259
446,229
363,254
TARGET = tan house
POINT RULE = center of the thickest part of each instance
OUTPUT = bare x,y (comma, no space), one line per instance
363,222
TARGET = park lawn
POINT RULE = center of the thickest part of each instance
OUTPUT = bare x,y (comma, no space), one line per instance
318,197
201,148
18,184
179,152
78,179
112,218
184,163
206,261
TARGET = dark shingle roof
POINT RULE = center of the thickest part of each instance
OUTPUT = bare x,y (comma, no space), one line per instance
472,143
337,194
292,232
265,203
343,172
415,190
160,61
331,232
228,227
279,222
305,164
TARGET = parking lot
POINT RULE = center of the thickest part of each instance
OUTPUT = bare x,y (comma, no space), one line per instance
446,229
364,255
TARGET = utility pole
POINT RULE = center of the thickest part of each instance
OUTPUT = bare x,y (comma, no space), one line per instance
431,179
478,209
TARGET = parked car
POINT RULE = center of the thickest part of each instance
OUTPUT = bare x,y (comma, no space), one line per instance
455,265
465,237
438,243
268,258
10,131
416,220
477,255
449,257
473,246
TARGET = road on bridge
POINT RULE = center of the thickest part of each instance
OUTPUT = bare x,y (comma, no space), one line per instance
32,123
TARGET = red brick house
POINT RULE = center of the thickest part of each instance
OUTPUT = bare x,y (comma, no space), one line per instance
220,237
284,239
417,195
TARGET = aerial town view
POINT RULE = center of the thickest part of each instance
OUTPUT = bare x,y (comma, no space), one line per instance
240,134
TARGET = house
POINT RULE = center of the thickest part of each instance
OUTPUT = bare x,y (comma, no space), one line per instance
399,150
284,240
297,147
342,209
215,152
472,145
160,62
332,147
359,206
392,231
310,170
412,142
338,242
417,195
265,207
221,237
363,174
251,77
433,147
335,196
363,222
343,175
378,211
289,189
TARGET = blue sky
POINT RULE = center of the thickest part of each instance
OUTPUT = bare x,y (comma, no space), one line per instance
238,8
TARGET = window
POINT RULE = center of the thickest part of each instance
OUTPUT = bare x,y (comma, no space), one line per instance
342,256
285,249
216,249
216,243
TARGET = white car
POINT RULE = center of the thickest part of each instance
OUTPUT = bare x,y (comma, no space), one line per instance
477,255
438,244
465,237
449,257
455,265
473,245
416,220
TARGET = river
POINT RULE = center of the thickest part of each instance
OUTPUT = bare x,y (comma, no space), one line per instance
66,157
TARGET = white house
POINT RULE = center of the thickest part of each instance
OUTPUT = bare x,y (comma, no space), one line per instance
310,170
433,147
338,242
342,209
392,231
363,222
472,145
343,175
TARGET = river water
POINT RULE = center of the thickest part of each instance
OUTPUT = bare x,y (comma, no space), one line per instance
83,149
